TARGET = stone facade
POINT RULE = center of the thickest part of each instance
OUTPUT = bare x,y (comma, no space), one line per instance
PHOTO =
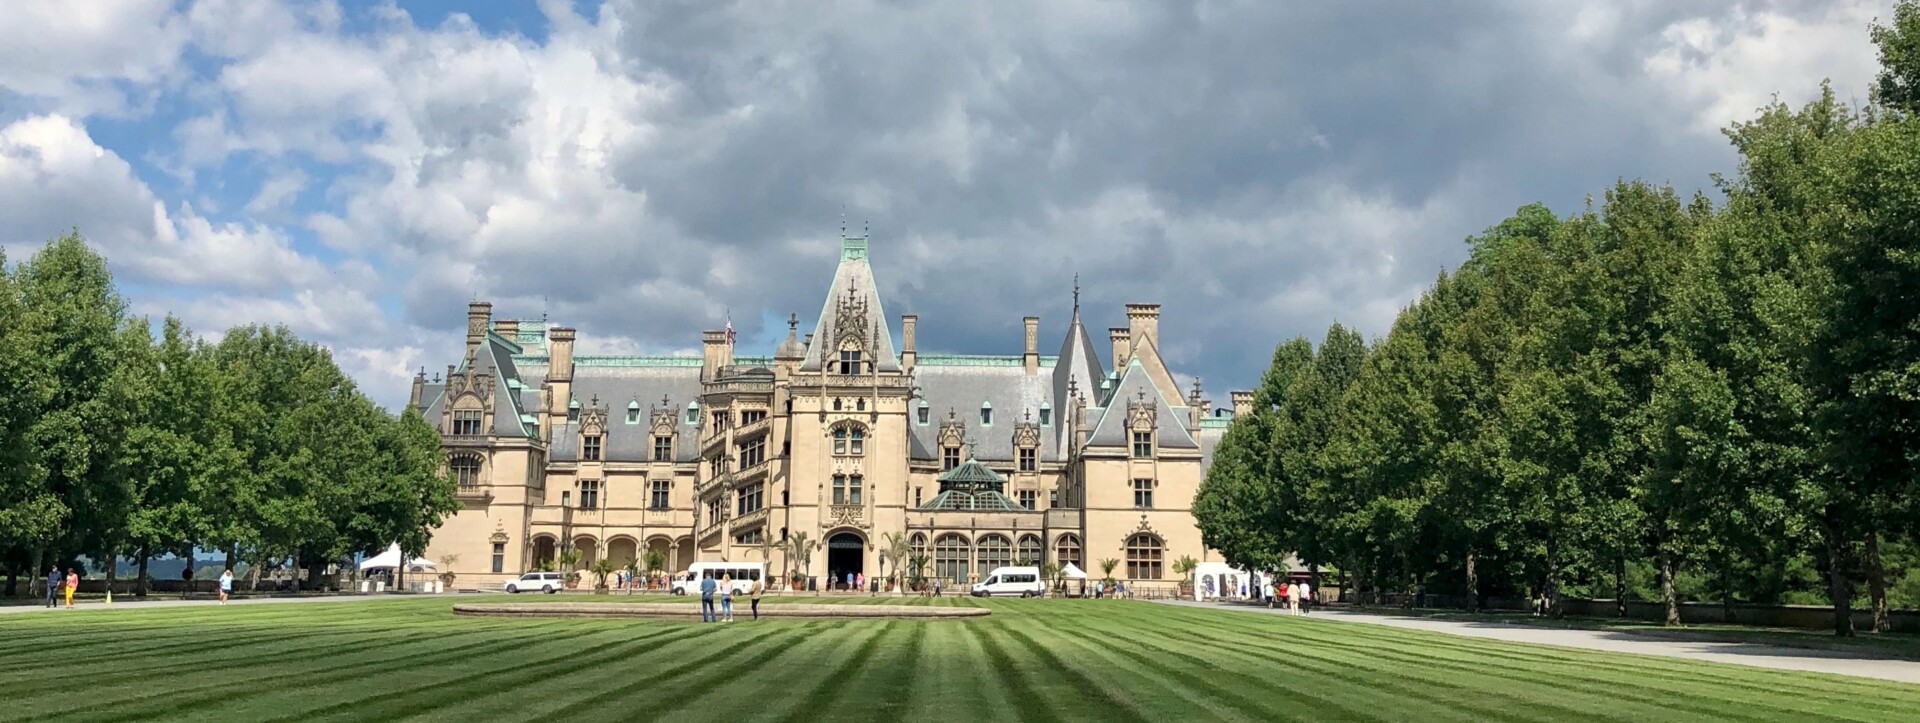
836,435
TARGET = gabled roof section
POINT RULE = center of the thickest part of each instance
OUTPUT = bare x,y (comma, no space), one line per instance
1136,384
852,312
972,476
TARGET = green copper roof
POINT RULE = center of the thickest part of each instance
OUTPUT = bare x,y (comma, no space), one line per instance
958,500
978,360
972,476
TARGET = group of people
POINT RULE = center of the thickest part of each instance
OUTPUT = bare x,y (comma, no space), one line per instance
1291,596
852,581
71,584
724,588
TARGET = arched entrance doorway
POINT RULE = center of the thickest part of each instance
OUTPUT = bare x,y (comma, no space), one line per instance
543,553
846,553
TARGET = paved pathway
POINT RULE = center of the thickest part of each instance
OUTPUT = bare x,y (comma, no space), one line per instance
173,601
1614,641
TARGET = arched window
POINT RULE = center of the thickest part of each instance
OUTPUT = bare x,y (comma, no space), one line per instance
840,440
918,545
950,554
1029,551
1067,550
995,551
465,469
858,445
850,439
836,404
986,414
1143,557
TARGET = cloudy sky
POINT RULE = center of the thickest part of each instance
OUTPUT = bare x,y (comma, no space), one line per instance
641,170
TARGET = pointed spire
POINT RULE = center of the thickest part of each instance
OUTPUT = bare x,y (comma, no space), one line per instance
1076,298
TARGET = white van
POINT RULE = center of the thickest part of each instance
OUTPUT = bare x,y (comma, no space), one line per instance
743,573
1022,581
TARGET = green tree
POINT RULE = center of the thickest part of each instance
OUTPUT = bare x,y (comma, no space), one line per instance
1898,85
31,515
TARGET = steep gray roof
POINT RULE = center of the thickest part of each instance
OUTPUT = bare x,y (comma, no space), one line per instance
1111,429
853,288
494,357
617,387
1079,367
965,383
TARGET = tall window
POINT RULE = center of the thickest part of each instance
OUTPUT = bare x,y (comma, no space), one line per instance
1142,444
850,361
1029,459
499,557
1143,557
840,440
917,547
1046,416
721,420
589,494
995,551
715,509
949,458
1143,494
1029,551
986,415
662,494
855,485
1067,550
466,470
857,444
1027,498
590,448
752,498
923,414
466,422
663,448
633,414
573,412
753,452
950,555
839,489
1053,499
916,497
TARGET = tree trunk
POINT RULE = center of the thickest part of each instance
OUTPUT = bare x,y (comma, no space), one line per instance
140,581
1620,584
1877,583
1473,583
233,551
1726,588
1667,593
1837,587
13,581
112,558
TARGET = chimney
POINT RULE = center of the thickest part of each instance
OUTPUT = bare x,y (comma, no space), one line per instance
908,323
1080,431
1122,346
1242,403
509,328
560,354
1144,321
478,316
1032,355
419,381
718,354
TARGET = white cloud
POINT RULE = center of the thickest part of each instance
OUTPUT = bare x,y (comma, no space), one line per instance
1727,66
71,57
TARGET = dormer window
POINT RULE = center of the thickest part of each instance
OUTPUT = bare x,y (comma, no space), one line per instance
662,448
850,361
633,413
590,448
986,414
1046,415
573,412
1029,459
693,413
925,415
1142,444
949,458
466,422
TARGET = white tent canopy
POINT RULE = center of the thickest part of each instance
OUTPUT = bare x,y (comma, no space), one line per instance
1221,580
1073,572
391,559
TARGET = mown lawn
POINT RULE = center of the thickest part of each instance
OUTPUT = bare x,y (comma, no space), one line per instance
1031,660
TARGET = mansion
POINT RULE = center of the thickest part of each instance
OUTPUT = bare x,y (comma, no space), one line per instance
976,461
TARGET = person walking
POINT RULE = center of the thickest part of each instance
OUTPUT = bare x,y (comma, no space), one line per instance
759,588
73,583
53,586
860,582
706,599
1266,591
936,587
1283,593
726,598
226,585
1306,596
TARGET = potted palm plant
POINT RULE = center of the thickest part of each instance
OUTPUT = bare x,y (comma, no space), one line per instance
1184,567
800,552
916,568
569,562
1106,572
602,568
656,561
899,546
1051,572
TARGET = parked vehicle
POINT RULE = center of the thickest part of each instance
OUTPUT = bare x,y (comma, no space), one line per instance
743,573
547,582
1021,581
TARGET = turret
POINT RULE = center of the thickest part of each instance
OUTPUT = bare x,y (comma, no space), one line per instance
909,323
478,315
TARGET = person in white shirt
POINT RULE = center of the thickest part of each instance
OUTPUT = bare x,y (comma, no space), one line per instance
1306,596
1293,598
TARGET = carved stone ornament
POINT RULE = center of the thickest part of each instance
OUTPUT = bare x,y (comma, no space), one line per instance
1026,434
850,321
1144,527
847,516
1142,414
593,417
953,433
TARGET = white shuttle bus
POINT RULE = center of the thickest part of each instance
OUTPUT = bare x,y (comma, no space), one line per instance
1021,581
744,574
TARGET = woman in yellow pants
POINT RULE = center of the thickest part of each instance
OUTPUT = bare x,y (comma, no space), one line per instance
73,583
